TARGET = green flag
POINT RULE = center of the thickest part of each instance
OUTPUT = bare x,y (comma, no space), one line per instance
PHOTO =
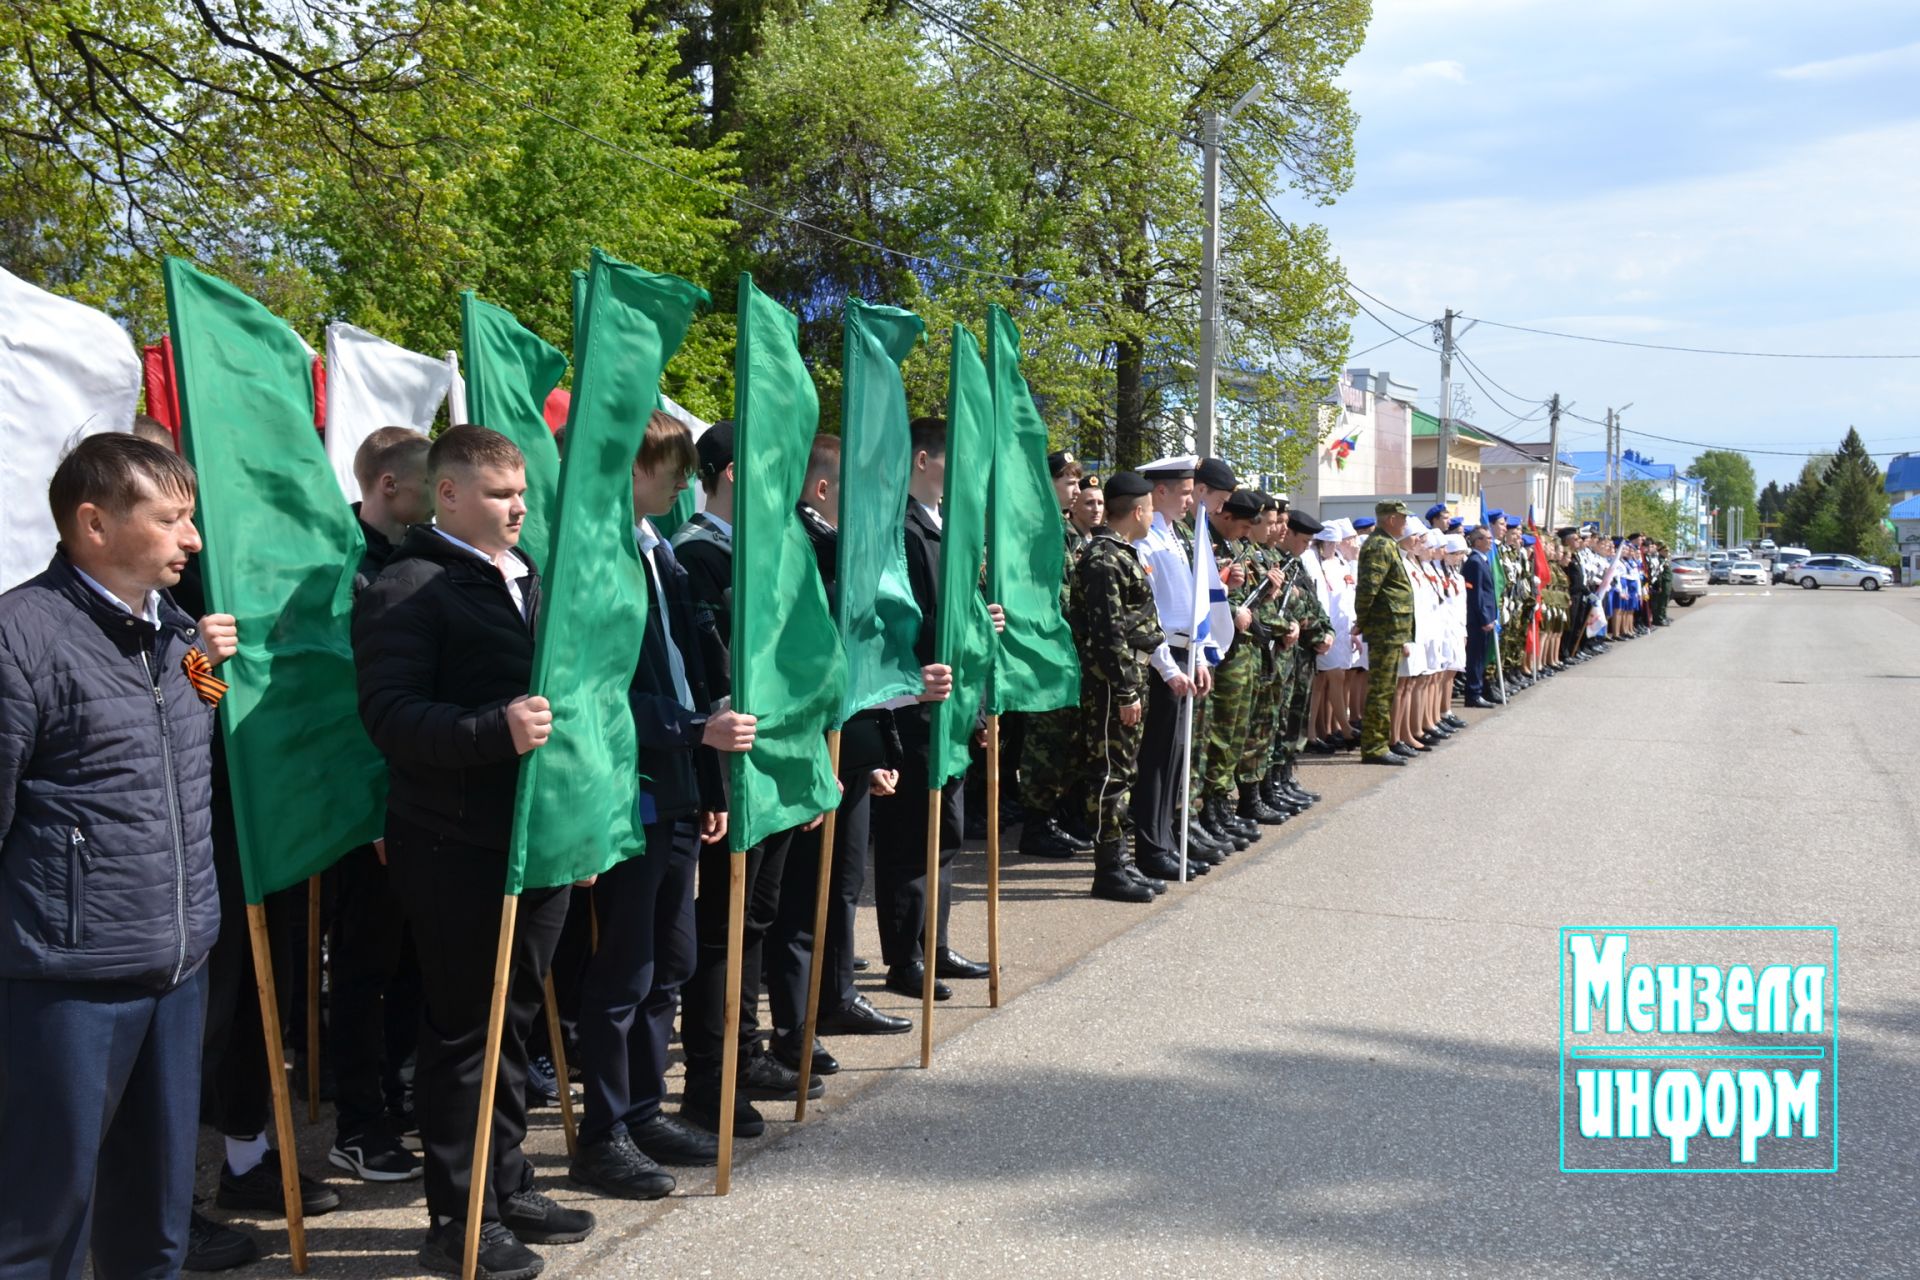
509,373
281,552
963,637
574,811
788,666
873,602
1035,667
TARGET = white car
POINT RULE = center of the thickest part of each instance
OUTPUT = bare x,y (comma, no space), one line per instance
1749,573
1841,571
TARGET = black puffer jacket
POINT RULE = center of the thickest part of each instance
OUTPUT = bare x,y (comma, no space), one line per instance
440,650
106,858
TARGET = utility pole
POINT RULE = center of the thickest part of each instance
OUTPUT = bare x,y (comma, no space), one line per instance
1444,453
1613,473
1553,462
1209,282
1211,123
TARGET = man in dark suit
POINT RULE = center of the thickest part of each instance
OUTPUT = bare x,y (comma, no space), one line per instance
900,820
1483,611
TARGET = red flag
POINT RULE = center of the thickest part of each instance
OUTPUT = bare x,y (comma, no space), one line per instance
163,396
319,396
556,408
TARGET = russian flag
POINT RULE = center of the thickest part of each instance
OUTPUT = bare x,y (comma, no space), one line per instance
1212,615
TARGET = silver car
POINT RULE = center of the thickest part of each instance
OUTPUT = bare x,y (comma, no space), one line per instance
1840,571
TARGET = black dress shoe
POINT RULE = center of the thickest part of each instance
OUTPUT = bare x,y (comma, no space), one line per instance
258,1190
615,1167
910,979
501,1256
1158,886
1320,747
764,1078
700,1107
1479,704
537,1219
861,1019
824,1063
1384,758
1158,866
1209,854
861,964
1453,721
671,1140
215,1246
951,964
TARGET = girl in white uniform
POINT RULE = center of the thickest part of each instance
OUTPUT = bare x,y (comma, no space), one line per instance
1333,582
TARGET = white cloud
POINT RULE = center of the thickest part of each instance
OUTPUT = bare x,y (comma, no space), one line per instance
1440,69
1902,58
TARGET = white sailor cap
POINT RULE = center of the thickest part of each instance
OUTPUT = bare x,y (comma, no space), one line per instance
1178,466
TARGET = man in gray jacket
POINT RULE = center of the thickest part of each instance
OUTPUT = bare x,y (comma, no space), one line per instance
107,899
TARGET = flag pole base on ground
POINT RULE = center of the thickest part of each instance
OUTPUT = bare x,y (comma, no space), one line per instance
558,1045
313,999
929,948
277,1079
489,1079
822,888
993,862
730,1049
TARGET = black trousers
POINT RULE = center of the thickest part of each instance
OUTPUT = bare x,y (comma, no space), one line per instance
1156,789
569,970
99,1093
900,848
373,1014
789,949
1476,672
703,1017
452,893
632,983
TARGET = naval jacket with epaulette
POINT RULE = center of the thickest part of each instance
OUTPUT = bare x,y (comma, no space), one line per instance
1115,624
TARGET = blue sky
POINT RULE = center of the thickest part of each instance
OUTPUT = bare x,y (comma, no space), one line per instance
1699,172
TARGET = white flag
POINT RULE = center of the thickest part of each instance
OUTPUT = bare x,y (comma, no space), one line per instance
456,392
698,429
371,383
66,372
1213,628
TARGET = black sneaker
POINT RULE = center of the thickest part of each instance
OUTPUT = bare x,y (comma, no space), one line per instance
536,1219
766,1079
374,1154
615,1167
543,1083
215,1246
502,1256
258,1191
671,1140
701,1108
406,1125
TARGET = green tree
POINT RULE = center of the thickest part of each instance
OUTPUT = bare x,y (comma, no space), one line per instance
1804,500
1730,486
1645,508
1772,500
1854,506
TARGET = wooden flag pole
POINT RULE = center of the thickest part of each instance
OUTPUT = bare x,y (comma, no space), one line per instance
489,1078
730,1048
556,1042
993,861
822,888
277,1079
928,957
313,999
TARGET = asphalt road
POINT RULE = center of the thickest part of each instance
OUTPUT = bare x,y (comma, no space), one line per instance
1338,1057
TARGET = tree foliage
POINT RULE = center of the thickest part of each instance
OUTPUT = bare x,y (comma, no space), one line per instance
1854,506
1730,486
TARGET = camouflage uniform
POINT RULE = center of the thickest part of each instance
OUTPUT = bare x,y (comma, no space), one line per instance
1297,664
1383,614
1115,628
1051,749
1233,682
1269,693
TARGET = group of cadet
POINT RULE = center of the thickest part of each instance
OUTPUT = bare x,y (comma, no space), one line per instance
1344,635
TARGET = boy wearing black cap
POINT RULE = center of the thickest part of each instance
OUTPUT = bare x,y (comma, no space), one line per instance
1050,739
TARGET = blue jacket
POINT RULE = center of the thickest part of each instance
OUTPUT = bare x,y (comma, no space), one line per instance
106,855
1483,608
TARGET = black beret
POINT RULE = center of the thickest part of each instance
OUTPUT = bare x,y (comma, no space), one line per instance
1128,484
1301,522
1567,532
1215,474
1244,503
1059,461
714,448
1090,482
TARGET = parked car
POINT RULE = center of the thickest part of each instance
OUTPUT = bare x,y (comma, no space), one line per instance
1766,547
1717,567
1750,573
1841,571
1784,559
1689,581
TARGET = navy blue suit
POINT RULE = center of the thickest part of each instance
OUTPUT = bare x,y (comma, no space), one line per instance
1482,611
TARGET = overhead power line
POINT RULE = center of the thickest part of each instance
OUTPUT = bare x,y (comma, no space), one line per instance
1698,351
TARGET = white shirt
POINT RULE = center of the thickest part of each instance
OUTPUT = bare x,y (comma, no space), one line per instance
724,526
152,615
512,568
932,513
644,534
1170,573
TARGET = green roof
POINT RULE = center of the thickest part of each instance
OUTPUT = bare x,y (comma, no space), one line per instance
1426,427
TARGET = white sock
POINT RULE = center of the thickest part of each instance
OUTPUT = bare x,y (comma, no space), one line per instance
245,1153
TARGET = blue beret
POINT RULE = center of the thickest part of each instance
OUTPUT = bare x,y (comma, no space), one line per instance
1456,522
1495,514
1526,539
1437,509
1364,522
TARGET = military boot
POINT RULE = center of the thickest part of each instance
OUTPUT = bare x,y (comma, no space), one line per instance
1291,780
1112,879
1245,828
1276,795
1256,810
1042,838
1214,813
1198,837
